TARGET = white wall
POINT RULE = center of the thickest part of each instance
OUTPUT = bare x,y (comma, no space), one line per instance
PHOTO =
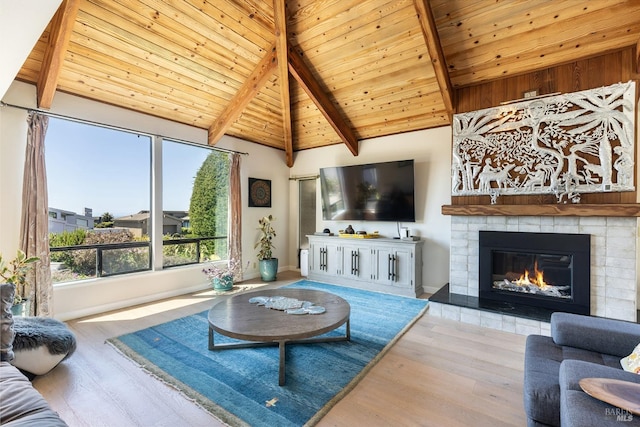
13,131
21,24
431,151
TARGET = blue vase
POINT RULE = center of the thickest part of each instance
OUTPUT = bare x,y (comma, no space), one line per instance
224,283
268,269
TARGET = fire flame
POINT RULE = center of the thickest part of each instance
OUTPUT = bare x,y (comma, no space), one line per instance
538,280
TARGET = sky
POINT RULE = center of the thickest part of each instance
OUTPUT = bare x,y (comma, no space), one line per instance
110,171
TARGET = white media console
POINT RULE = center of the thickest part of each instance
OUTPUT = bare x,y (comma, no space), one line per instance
392,266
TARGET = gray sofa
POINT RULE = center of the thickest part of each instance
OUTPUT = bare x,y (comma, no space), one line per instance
579,347
20,403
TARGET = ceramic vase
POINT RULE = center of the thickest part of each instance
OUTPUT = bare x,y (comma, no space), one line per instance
268,269
223,283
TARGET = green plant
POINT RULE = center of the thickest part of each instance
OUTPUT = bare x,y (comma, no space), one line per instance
66,238
16,272
84,261
265,242
105,221
209,203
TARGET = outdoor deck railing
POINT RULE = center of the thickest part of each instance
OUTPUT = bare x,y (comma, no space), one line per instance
130,257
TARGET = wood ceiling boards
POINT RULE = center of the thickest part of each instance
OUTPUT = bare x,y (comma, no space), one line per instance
311,73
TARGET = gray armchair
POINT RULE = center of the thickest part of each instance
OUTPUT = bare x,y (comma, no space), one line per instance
579,347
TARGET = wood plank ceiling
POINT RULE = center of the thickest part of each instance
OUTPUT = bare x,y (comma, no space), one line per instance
301,74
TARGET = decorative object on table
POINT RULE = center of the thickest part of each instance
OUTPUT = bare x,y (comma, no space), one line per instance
288,305
565,145
359,235
16,272
631,363
259,193
325,232
404,233
268,264
221,275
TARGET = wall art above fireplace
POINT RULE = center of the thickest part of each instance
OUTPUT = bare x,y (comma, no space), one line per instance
581,142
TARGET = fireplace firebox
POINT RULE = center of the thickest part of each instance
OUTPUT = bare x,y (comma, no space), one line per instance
545,270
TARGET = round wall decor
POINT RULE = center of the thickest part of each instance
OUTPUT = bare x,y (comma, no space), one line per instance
259,193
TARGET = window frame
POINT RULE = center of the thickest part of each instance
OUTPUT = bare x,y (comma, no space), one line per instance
155,233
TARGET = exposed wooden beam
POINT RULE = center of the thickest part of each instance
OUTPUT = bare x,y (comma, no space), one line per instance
638,56
245,94
303,75
280,25
59,36
431,38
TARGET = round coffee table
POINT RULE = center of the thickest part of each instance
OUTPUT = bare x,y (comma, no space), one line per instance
236,317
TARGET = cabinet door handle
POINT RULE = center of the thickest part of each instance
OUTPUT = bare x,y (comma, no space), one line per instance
354,263
326,260
395,268
392,267
326,263
353,267
357,257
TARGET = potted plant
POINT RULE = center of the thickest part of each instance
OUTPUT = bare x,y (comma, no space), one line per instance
15,271
221,275
268,264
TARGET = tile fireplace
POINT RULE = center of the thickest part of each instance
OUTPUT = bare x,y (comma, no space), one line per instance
613,277
547,270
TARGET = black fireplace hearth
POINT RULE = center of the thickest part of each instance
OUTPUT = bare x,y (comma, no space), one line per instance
544,270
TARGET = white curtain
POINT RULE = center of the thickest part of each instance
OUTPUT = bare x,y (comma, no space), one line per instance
235,214
34,231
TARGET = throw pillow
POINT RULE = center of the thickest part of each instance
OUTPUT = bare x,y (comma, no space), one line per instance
631,363
7,292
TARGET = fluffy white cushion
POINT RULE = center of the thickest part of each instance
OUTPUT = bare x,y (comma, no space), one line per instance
36,361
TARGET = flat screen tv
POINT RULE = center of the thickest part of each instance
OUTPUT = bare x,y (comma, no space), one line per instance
369,192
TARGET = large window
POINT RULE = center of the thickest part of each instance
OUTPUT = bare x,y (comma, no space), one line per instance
100,180
195,202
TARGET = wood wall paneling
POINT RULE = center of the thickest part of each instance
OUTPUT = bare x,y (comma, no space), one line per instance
603,70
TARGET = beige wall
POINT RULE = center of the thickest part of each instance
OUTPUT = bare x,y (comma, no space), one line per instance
21,24
431,152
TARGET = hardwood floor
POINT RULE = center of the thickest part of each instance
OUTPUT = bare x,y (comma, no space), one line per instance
440,373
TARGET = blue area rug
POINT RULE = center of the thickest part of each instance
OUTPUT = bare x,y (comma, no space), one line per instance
240,386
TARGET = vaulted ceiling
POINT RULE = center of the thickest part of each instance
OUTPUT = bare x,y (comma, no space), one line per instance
299,74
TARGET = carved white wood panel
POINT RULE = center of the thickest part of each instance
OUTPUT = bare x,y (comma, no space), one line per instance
581,142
